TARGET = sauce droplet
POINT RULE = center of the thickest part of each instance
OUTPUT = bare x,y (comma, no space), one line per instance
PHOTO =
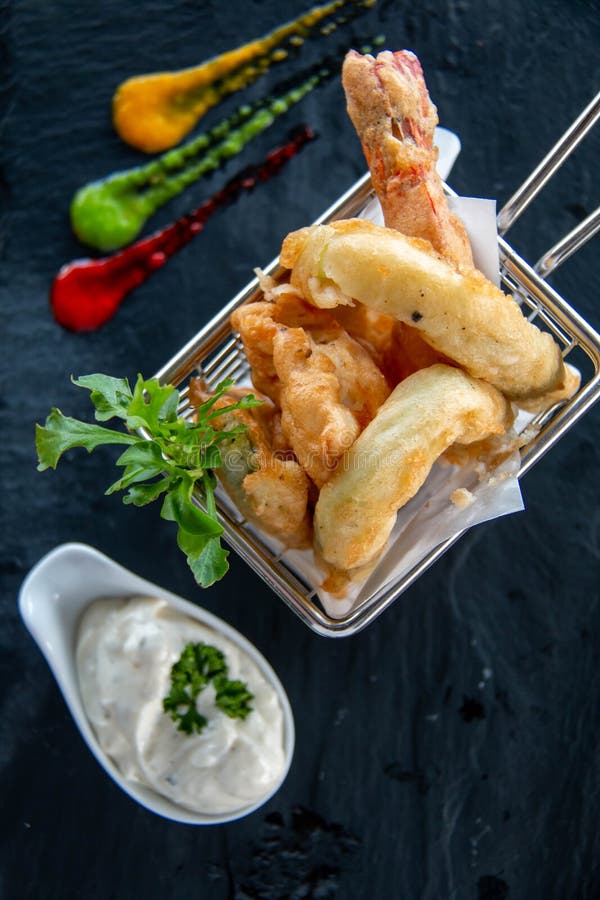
110,213
154,112
87,293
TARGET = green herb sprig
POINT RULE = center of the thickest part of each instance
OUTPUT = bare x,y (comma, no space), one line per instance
176,457
198,665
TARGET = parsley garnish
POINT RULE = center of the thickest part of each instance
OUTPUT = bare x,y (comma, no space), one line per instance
198,665
175,457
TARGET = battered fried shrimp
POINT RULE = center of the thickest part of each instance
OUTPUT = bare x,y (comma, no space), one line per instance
460,314
269,489
372,330
390,108
397,349
391,459
326,383
407,353
330,389
388,103
257,324
256,327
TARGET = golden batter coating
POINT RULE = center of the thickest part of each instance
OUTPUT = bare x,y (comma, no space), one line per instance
362,300
265,482
388,463
371,329
397,349
330,389
326,384
459,313
257,324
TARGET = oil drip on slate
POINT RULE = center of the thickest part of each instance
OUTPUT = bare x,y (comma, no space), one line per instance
300,858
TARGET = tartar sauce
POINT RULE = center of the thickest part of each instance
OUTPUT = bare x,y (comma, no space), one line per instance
125,652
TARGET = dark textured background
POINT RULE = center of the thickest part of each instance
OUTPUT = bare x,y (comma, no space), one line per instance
450,750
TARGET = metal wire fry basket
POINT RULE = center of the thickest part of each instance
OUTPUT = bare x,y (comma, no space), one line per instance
216,353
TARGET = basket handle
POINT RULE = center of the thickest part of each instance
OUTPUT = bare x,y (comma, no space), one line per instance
569,244
546,169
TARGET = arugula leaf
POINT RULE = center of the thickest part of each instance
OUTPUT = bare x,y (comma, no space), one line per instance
142,462
179,507
175,457
245,403
211,457
142,494
62,433
152,405
211,564
198,665
110,396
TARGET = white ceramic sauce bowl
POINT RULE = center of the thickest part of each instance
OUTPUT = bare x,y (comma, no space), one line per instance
52,599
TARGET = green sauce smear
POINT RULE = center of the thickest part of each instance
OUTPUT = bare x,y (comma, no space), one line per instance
110,213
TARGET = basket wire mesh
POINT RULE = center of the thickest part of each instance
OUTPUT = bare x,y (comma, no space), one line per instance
216,353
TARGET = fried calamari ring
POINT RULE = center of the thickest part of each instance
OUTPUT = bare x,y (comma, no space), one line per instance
388,463
459,313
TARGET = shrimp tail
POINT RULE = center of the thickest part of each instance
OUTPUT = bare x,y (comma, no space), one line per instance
390,107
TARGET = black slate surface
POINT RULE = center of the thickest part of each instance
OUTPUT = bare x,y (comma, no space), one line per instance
450,750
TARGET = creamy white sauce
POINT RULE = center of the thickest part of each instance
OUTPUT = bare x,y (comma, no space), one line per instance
125,652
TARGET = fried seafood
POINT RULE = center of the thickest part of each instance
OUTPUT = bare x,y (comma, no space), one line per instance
460,314
330,390
269,489
389,105
408,353
258,323
396,349
372,330
390,108
326,384
388,463
333,455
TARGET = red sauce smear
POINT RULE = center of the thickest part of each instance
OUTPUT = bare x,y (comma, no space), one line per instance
87,293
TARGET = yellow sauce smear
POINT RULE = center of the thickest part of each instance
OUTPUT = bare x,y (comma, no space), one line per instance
154,112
